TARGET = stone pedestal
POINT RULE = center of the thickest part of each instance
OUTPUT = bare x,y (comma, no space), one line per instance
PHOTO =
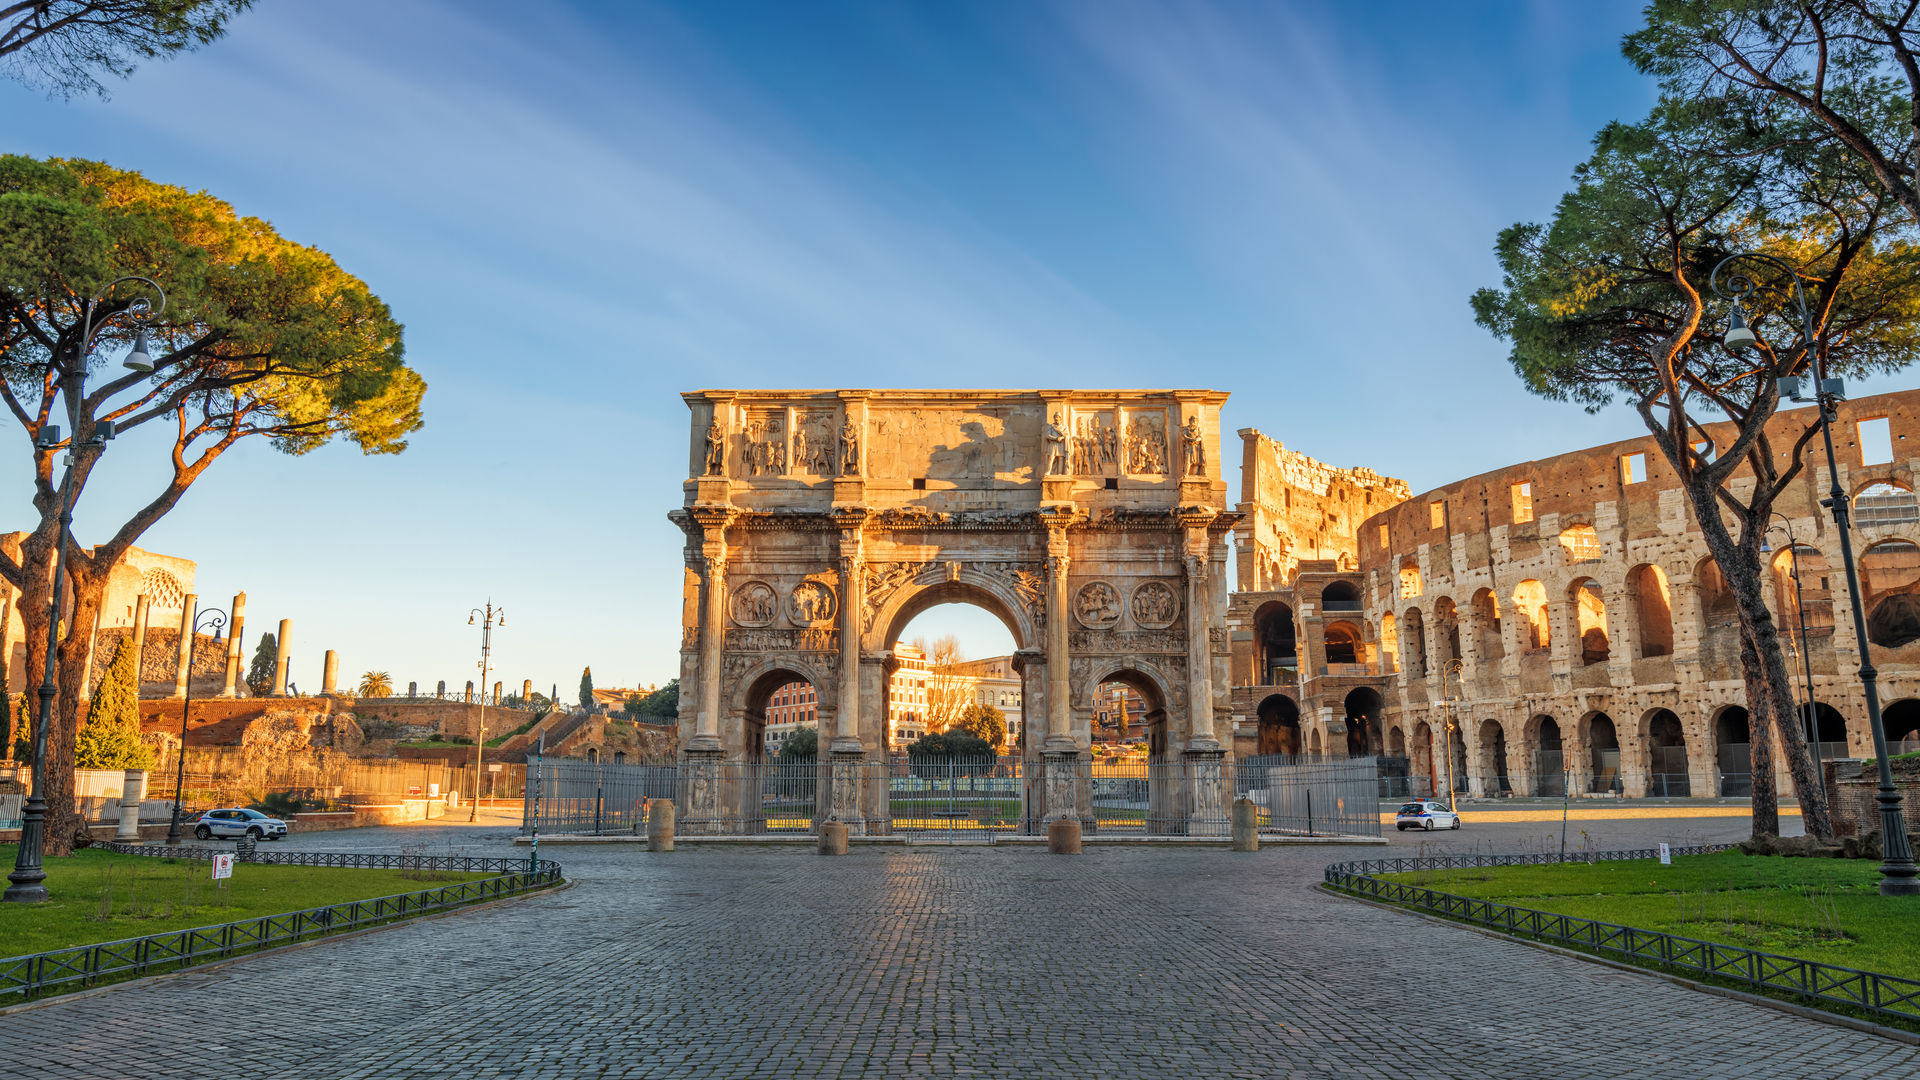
701,792
660,825
1206,801
844,799
1246,825
132,787
1062,769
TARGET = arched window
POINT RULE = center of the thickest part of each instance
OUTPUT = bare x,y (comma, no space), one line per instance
1885,504
1409,579
1582,543
1446,629
1890,577
1340,596
1414,628
1486,617
1342,643
1590,610
1805,592
1274,633
1652,609
1389,644
1530,603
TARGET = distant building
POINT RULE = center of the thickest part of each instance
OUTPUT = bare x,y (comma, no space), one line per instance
906,697
791,708
994,682
165,580
1119,714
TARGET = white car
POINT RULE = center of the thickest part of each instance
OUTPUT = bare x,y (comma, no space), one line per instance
235,822
1425,814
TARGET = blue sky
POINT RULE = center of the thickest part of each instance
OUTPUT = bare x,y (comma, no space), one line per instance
579,215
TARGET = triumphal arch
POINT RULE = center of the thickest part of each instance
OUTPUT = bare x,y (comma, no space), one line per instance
1093,523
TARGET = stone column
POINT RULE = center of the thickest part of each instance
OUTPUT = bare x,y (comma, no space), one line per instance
142,605
183,649
330,673
86,671
132,787
235,654
713,630
846,738
1059,691
1199,658
496,693
526,692
468,700
280,659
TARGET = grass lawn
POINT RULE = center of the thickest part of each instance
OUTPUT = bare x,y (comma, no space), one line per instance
102,896
1814,909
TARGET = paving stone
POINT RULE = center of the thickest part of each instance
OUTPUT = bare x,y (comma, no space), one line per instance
763,962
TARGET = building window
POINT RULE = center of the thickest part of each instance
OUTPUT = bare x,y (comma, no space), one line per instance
1383,534
1876,441
1437,514
1522,503
1633,468
1582,543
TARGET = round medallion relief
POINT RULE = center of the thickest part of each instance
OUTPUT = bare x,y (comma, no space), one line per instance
1155,606
1097,606
811,602
754,604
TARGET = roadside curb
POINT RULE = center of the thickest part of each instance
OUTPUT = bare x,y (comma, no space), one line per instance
1804,1011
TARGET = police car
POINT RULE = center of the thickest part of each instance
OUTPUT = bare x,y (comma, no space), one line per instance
1425,814
234,822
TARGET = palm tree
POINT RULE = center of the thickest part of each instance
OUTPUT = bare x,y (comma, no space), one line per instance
376,684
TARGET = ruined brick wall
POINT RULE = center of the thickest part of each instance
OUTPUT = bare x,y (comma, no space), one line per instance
1569,601
1296,508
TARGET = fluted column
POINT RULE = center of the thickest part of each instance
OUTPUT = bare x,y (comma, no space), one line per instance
142,607
846,738
280,660
713,629
1059,705
1199,659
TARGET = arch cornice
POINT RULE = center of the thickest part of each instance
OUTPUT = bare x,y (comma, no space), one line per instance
826,691
940,583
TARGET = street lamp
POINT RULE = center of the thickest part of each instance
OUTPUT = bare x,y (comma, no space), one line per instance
486,618
1898,874
1457,669
28,878
1809,721
215,618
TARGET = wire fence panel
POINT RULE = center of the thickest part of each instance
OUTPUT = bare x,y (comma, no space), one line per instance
1889,996
593,797
1306,796
958,800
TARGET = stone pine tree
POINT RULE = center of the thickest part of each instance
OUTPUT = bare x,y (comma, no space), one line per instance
985,723
1847,70
266,657
586,688
260,339
1611,300
65,46
110,739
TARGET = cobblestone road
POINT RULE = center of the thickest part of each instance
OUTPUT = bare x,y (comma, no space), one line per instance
958,962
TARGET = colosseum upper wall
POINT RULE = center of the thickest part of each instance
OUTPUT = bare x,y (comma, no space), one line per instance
1568,608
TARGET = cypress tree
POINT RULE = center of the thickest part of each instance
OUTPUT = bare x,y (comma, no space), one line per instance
111,737
586,688
260,674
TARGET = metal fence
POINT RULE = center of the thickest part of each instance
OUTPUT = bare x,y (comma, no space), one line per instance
959,800
1887,996
26,977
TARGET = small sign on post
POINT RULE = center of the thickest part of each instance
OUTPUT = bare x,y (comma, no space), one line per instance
222,866
1666,855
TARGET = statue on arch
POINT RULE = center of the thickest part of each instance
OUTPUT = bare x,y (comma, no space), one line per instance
1056,447
716,448
849,449
1196,450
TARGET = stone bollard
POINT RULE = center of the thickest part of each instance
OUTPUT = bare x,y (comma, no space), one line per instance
1246,825
132,786
1063,836
833,838
660,825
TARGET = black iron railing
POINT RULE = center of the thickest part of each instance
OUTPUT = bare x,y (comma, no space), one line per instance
1882,996
25,977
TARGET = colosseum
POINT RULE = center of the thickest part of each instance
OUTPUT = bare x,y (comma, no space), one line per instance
1556,626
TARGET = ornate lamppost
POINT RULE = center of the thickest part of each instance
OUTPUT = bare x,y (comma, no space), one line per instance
216,619
1898,874
28,879
486,618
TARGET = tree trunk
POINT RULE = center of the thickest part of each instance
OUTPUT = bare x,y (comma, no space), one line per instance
77,616
1740,566
1766,796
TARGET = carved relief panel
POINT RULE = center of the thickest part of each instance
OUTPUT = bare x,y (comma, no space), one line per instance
754,604
1097,605
1155,606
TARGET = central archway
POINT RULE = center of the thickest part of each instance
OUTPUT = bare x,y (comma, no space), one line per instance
1279,719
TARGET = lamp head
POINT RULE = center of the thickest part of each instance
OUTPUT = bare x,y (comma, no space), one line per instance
1739,336
469,620
139,359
